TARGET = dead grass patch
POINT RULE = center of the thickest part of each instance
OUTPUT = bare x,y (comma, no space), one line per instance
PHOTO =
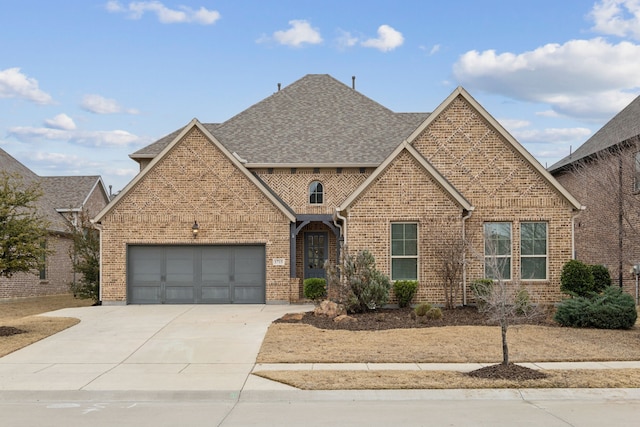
299,343
398,380
22,314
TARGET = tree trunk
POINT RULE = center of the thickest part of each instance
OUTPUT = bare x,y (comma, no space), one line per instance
505,349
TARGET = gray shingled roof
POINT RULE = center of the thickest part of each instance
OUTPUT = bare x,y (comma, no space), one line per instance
316,120
623,126
58,192
70,191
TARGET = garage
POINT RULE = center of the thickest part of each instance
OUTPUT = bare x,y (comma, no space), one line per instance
196,274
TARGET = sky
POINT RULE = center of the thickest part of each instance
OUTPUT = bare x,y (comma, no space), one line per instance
85,83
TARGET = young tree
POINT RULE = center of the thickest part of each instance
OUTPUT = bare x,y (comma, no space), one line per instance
449,252
85,256
506,300
22,230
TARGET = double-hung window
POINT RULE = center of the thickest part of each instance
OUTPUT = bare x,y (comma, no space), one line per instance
404,251
497,250
533,250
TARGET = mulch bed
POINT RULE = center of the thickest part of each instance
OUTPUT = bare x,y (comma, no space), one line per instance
7,331
401,318
507,372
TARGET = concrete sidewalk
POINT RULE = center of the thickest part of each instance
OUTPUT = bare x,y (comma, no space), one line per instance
205,350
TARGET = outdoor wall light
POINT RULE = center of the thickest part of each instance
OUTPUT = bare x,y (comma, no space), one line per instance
195,228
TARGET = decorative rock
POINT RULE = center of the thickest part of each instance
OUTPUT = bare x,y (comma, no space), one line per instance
293,317
344,318
329,309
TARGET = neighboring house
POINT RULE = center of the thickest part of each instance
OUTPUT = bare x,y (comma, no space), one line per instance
276,190
63,200
604,173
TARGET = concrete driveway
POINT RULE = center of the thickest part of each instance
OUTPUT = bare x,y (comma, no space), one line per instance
148,348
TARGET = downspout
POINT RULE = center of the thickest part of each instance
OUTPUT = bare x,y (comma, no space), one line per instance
99,227
343,228
573,230
464,257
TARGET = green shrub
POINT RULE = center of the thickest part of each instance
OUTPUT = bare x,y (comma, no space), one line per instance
357,284
404,291
434,314
422,309
482,289
576,279
315,288
601,278
523,302
613,309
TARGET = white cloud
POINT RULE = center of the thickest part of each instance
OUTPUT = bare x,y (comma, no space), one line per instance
547,113
590,79
114,138
346,39
435,49
57,158
100,105
552,135
617,17
300,33
388,39
14,84
136,10
61,121
514,123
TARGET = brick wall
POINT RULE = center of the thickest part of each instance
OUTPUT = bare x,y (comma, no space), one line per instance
597,185
292,186
59,274
501,185
96,201
404,193
195,181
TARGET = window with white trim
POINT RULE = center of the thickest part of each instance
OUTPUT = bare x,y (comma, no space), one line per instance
497,250
404,251
316,193
533,250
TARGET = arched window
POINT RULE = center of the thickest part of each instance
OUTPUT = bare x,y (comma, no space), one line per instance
316,193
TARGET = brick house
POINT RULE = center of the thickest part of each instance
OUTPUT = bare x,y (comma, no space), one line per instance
604,173
63,200
316,167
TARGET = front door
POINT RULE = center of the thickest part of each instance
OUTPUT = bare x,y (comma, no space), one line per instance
315,254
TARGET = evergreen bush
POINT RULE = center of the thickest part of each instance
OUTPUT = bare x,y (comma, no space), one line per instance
613,309
315,288
357,284
481,289
576,279
601,278
404,291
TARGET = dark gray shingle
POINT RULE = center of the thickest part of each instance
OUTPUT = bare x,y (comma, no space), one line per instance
623,126
315,120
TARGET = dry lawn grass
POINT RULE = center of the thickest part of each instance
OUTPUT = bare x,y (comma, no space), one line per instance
300,343
22,314
399,380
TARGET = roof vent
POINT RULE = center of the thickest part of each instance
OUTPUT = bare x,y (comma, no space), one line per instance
353,82
279,85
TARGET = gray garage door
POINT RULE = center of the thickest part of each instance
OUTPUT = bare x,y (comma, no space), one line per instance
196,274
